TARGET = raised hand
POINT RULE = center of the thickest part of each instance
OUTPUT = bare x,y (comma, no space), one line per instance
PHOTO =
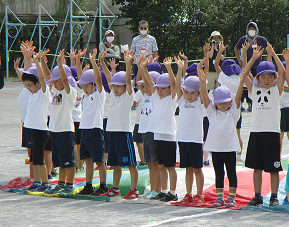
245,47
93,55
86,67
72,54
206,48
17,63
112,63
270,49
168,61
60,57
36,56
222,47
183,56
257,52
180,63
285,55
80,53
202,76
43,53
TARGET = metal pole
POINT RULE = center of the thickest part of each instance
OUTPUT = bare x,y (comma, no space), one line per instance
6,40
71,27
100,21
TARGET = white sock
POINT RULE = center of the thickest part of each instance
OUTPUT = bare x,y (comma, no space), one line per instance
165,191
173,192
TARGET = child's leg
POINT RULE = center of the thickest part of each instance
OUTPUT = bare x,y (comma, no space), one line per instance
240,140
257,179
133,176
164,178
141,152
36,173
48,161
70,174
43,173
274,178
89,169
102,171
152,176
199,180
189,179
62,174
173,178
156,177
117,171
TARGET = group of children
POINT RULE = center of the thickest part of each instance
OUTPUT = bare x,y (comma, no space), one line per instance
105,100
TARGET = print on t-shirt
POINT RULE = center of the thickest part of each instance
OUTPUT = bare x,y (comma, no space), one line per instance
146,111
263,99
57,99
188,105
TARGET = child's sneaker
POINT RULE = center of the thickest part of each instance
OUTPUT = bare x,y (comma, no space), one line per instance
53,190
50,177
132,194
206,163
199,199
158,196
146,194
187,199
85,191
99,191
273,202
218,202
33,186
141,166
256,201
41,188
111,192
66,190
169,197
152,194
231,202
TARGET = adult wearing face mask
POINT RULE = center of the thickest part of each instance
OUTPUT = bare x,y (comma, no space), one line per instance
143,43
112,50
254,40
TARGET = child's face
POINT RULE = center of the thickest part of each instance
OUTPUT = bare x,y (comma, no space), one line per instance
58,84
118,89
33,88
223,106
87,88
266,80
146,90
190,96
163,91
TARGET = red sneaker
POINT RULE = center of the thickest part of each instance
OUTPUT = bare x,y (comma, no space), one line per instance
111,192
133,194
199,199
187,199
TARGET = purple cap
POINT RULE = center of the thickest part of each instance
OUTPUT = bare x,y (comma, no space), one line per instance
104,82
192,69
284,64
222,94
74,72
163,80
72,81
31,71
229,67
265,67
191,83
87,77
154,74
155,66
55,72
118,79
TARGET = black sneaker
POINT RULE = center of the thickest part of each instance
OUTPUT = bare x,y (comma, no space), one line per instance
85,191
249,109
169,197
158,196
206,163
99,191
242,109
256,201
273,202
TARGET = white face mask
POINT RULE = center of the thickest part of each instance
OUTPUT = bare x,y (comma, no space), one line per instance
109,39
251,33
143,32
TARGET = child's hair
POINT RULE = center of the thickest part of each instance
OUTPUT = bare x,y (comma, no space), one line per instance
273,74
29,77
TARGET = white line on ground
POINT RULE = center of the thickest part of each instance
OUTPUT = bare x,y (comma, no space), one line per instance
186,217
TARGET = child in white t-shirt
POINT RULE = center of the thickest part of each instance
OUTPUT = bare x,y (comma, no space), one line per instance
164,127
62,127
229,76
190,133
222,140
121,148
263,151
91,124
36,121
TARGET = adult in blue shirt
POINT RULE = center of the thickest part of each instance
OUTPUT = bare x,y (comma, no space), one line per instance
254,40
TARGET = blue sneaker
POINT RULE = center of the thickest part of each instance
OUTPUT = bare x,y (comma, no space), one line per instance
66,190
53,190
33,186
41,188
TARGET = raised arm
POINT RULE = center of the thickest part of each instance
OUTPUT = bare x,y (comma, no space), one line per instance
237,53
168,63
97,74
185,58
72,56
218,58
105,69
281,70
16,67
285,55
78,63
180,64
39,71
27,50
206,49
202,78
128,58
112,65
145,73
45,69
245,48
62,73
240,90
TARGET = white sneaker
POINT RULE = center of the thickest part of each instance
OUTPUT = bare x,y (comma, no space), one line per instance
153,194
146,194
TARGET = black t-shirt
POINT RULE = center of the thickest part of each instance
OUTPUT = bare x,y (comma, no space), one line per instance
212,61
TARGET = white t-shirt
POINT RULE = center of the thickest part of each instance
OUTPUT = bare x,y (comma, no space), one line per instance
119,112
222,135
265,109
61,110
23,102
106,105
232,82
284,100
92,114
145,121
190,125
77,108
163,117
36,116
138,97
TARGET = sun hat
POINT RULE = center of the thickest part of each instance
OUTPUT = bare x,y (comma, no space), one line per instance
31,71
214,33
87,77
222,94
118,78
191,83
104,81
265,67
155,66
192,70
163,80
108,32
55,72
229,67
155,75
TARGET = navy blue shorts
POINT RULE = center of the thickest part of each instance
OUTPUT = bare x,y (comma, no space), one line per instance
62,144
205,127
26,137
150,147
92,144
137,137
191,155
166,153
48,144
121,149
284,124
39,139
77,132
106,136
